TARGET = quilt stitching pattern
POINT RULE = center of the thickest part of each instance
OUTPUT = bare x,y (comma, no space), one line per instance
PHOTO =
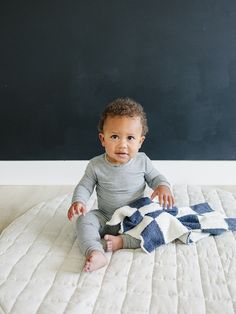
175,278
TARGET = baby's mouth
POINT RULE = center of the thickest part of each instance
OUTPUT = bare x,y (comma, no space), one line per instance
122,154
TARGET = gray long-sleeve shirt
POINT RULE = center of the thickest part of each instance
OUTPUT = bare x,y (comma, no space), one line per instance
117,185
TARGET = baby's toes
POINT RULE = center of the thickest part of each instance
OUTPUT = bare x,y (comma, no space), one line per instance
109,246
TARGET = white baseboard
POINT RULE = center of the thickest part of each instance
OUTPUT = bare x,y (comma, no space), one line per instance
69,172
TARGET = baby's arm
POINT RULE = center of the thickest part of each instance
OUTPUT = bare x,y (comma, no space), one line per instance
76,208
82,193
159,184
85,187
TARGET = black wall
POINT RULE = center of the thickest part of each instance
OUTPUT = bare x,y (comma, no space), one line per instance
61,62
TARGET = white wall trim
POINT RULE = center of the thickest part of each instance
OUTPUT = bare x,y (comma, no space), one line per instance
69,172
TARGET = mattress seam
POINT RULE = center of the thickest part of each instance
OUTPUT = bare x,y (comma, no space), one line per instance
39,261
176,273
19,234
153,269
222,205
76,288
200,272
101,285
21,255
1,309
196,248
176,281
134,252
231,296
56,272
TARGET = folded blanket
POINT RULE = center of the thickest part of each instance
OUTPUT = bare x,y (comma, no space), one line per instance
148,221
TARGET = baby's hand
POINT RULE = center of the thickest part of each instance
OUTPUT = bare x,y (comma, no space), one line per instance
76,208
165,196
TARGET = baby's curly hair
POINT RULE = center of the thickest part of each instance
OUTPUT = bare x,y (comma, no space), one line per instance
124,107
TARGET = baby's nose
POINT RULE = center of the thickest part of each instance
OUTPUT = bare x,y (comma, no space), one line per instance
123,143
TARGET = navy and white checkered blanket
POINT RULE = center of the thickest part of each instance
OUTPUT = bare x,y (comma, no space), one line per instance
148,221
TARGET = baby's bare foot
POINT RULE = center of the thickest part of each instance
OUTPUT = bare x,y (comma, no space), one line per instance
113,243
95,261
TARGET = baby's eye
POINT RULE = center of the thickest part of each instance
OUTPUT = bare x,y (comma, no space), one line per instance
131,138
114,136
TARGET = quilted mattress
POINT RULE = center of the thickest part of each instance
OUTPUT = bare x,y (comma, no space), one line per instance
41,267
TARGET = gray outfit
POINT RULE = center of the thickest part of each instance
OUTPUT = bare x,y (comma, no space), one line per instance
116,186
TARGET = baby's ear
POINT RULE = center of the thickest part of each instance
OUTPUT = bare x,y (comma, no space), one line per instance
141,140
101,138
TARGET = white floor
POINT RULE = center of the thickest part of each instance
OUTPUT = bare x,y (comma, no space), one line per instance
16,199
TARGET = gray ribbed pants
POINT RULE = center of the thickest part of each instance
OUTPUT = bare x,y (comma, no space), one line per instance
92,227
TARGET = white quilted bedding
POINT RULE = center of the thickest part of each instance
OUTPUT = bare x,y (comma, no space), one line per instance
41,267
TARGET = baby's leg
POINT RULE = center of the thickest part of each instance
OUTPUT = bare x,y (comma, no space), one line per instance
89,240
130,242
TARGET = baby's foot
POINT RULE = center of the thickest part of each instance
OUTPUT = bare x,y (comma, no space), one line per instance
95,261
113,243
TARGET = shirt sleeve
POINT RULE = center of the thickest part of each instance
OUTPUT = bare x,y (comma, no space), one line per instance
85,187
153,177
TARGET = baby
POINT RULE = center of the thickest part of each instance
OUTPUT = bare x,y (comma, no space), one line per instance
120,176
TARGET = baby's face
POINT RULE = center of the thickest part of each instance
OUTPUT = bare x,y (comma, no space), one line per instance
121,138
